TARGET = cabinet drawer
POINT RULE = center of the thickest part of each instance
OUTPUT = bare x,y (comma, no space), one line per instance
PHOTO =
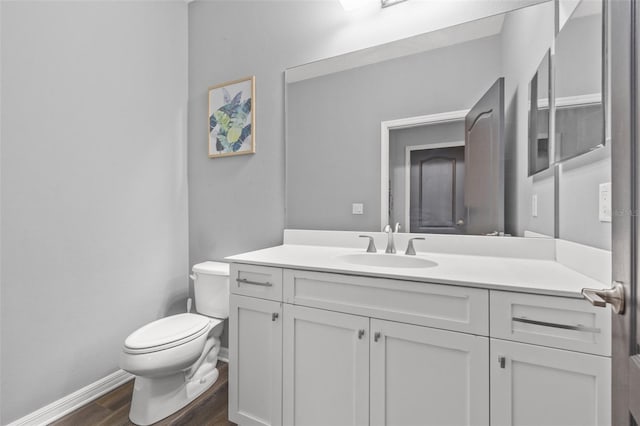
256,281
551,321
441,306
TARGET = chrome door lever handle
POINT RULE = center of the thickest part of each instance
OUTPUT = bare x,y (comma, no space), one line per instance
613,296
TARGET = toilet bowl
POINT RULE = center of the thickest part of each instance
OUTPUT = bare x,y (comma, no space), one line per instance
174,358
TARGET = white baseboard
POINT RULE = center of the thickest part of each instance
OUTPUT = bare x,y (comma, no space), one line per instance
69,403
223,355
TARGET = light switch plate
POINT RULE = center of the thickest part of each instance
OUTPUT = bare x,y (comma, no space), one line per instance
604,202
357,208
534,205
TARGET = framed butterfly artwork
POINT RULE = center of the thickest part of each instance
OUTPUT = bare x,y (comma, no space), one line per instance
232,118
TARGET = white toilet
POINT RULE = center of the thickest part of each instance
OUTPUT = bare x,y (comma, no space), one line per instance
174,358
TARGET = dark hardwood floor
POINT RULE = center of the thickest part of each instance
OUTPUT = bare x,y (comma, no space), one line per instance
112,409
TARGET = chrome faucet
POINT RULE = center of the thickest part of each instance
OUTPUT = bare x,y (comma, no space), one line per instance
391,248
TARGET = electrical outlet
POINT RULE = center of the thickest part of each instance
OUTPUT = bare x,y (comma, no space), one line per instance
604,202
357,208
534,205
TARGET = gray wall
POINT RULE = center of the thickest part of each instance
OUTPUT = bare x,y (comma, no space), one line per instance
579,186
93,187
333,140
578,49
399,140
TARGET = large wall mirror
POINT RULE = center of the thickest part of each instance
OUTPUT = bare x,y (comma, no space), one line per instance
365,129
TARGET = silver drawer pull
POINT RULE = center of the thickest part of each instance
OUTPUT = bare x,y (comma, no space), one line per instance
578,327
246,281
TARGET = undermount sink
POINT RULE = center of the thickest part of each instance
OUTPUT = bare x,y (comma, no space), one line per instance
384,260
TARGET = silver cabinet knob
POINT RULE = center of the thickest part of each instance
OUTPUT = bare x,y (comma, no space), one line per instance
274,316
376,336
460,222
360,333
502,361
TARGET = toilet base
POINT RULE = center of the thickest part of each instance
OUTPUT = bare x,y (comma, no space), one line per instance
156,398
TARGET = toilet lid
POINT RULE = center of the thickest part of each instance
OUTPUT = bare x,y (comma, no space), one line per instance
212,268
167,331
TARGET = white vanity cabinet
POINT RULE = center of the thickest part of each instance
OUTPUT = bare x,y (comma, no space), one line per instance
561,374
317,348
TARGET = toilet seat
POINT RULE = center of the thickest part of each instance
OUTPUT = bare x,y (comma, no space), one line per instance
167,333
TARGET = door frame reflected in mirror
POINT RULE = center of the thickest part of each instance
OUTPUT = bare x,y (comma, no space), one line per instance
404,123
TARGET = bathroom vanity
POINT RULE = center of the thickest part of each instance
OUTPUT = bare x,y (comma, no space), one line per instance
494,331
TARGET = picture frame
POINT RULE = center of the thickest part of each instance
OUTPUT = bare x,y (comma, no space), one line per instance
232,118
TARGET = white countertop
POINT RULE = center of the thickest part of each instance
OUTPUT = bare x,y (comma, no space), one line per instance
539,276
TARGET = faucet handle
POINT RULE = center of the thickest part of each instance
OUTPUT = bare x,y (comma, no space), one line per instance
410,250
371,248
397,227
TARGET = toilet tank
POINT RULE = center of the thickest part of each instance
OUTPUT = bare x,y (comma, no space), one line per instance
211,289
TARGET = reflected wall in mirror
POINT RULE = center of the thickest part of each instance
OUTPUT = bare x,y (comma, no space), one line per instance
579,112
335,123
539,95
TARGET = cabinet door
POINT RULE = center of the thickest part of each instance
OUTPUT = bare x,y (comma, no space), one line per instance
255,361
540,386
326,368
425,376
